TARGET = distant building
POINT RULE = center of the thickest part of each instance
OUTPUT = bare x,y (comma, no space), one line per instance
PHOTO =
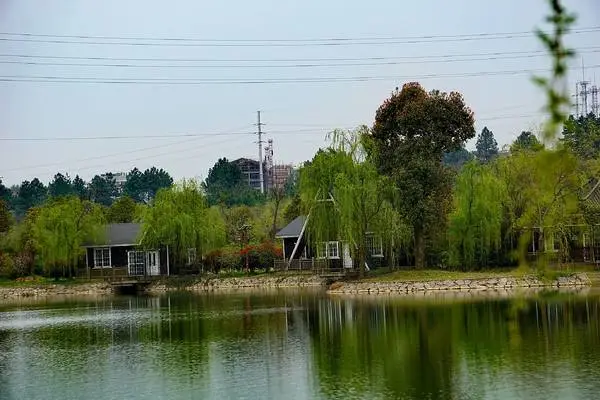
120,179
280,174
251,172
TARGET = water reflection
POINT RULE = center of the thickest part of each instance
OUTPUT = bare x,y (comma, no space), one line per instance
301,345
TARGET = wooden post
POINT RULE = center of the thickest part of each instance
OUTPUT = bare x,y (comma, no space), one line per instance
168,270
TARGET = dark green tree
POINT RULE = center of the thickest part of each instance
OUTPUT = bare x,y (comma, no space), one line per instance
293,209
412,131
526,141
155,179
222,179
122,210
582,136
79,188
6,218
134,185
103,189
458,158
486,146
5,193
31,193
60,186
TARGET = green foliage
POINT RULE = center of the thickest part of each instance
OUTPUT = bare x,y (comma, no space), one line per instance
475,223
458,158
122,210
5,193
60,229
486,146
60,186
413,130
526,141
181,218
79,188
143,186
6,218
30,194
558,102
582,136
292,209
103,189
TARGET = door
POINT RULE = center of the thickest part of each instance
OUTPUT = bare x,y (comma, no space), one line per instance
152,263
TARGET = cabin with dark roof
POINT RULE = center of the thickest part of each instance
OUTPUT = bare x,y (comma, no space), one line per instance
334,254
118,253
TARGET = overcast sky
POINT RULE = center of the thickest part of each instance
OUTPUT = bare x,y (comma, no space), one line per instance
203,97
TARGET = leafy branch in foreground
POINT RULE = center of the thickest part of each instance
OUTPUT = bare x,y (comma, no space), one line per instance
558,103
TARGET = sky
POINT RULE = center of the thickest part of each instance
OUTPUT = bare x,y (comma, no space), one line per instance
240,57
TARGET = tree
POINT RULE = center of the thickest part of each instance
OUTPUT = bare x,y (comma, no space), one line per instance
30,194
526,141
486,146
582,136
292,210
103,189
345,194
5,193
458,158
155,179
60,186
6,218
412,131
79,188
122,210
181,218
59,231
476,220
223,178
134,186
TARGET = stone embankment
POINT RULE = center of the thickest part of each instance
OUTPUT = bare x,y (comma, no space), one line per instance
258,282
490,284
56,290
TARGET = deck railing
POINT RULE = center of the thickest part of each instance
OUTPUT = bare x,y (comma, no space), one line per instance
309,265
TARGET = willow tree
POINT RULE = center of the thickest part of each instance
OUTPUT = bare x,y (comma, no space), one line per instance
345,195
180,218
59,230
475,227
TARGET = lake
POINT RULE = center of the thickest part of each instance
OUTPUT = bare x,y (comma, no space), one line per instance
301,345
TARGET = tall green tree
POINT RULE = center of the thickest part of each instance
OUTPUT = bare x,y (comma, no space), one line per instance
223,178
475,225
526,141
122,210
412,131
486,146
135,186
60,186
5,193
103,189
345,194
181,218
6,218
80,188
31,194
155,179
582,136
60,229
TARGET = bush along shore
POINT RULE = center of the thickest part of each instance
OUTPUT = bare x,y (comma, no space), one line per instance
480,284
373,286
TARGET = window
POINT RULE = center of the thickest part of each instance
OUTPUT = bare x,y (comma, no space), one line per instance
328,250
191,256
136,262
374,245
102,257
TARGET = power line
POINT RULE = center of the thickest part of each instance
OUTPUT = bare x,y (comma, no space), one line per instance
221,66
188,42
335,59
216,81
480,35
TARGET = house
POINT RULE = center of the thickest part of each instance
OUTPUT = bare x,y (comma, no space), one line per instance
300,253
119,253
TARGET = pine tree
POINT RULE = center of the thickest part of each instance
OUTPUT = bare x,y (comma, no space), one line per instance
486,146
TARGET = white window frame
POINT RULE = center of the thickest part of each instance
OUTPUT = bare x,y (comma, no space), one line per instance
329,250
191,256
374,246
99,260
136,262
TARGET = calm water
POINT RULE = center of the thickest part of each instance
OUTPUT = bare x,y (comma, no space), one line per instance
301,345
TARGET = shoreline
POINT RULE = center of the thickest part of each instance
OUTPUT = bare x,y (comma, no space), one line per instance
373,286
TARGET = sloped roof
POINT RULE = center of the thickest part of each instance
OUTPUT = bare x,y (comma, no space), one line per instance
119,235
293,229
